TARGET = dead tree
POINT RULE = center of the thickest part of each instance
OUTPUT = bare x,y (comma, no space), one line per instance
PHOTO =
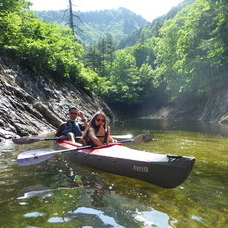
72,25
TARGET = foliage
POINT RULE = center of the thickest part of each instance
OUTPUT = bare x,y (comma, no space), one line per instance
187,57
128,83
100,56
183,55
191,54
152,29
44,48
96,25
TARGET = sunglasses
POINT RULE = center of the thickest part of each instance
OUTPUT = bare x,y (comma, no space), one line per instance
98,120
74,113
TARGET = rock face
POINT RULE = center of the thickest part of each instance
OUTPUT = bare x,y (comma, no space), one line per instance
30,105
216,108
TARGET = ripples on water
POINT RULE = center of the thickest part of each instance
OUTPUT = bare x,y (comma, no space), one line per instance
57,193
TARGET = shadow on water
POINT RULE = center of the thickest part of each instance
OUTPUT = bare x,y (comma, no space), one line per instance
63,193
172,125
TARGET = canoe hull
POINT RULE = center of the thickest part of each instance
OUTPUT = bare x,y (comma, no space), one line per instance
162,170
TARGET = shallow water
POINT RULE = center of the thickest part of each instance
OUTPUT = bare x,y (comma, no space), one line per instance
57,193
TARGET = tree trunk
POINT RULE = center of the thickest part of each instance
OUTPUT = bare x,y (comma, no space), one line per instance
71,16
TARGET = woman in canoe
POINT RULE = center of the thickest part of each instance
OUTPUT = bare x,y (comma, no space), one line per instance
98,132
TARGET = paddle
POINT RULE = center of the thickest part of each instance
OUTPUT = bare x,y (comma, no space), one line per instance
32,157
33,140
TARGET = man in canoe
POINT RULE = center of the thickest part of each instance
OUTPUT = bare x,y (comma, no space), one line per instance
72,129
98,131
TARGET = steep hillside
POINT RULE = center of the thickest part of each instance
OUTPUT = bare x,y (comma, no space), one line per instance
91,26
31,105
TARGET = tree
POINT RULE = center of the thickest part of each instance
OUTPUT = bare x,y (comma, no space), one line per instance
100,57
72,15
191,52
46,49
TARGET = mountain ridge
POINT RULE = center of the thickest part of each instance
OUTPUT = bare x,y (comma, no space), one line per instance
94,25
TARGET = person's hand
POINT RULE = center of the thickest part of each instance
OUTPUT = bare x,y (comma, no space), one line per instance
62,137
81,115
83,119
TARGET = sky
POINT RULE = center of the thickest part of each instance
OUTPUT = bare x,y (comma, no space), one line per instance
148,9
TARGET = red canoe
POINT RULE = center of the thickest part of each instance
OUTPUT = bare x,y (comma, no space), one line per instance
167,171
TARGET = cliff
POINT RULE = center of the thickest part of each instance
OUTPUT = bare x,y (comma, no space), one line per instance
31,105
214,109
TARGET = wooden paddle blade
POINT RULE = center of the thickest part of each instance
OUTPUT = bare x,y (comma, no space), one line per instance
143,138
25,140
32,157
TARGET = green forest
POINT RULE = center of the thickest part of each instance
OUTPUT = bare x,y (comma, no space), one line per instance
93,25
184,57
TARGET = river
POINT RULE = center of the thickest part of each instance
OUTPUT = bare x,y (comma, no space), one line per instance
57,193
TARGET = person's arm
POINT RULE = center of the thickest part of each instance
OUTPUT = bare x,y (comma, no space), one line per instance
60,130
109,137
83,119
93,137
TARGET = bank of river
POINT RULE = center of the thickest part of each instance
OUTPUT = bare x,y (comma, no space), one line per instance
57,193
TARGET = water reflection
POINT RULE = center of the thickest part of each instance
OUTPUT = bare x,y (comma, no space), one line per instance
32,191
59,220
43,193
33,214
149,125
106,220
155,218
100,204
58,193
